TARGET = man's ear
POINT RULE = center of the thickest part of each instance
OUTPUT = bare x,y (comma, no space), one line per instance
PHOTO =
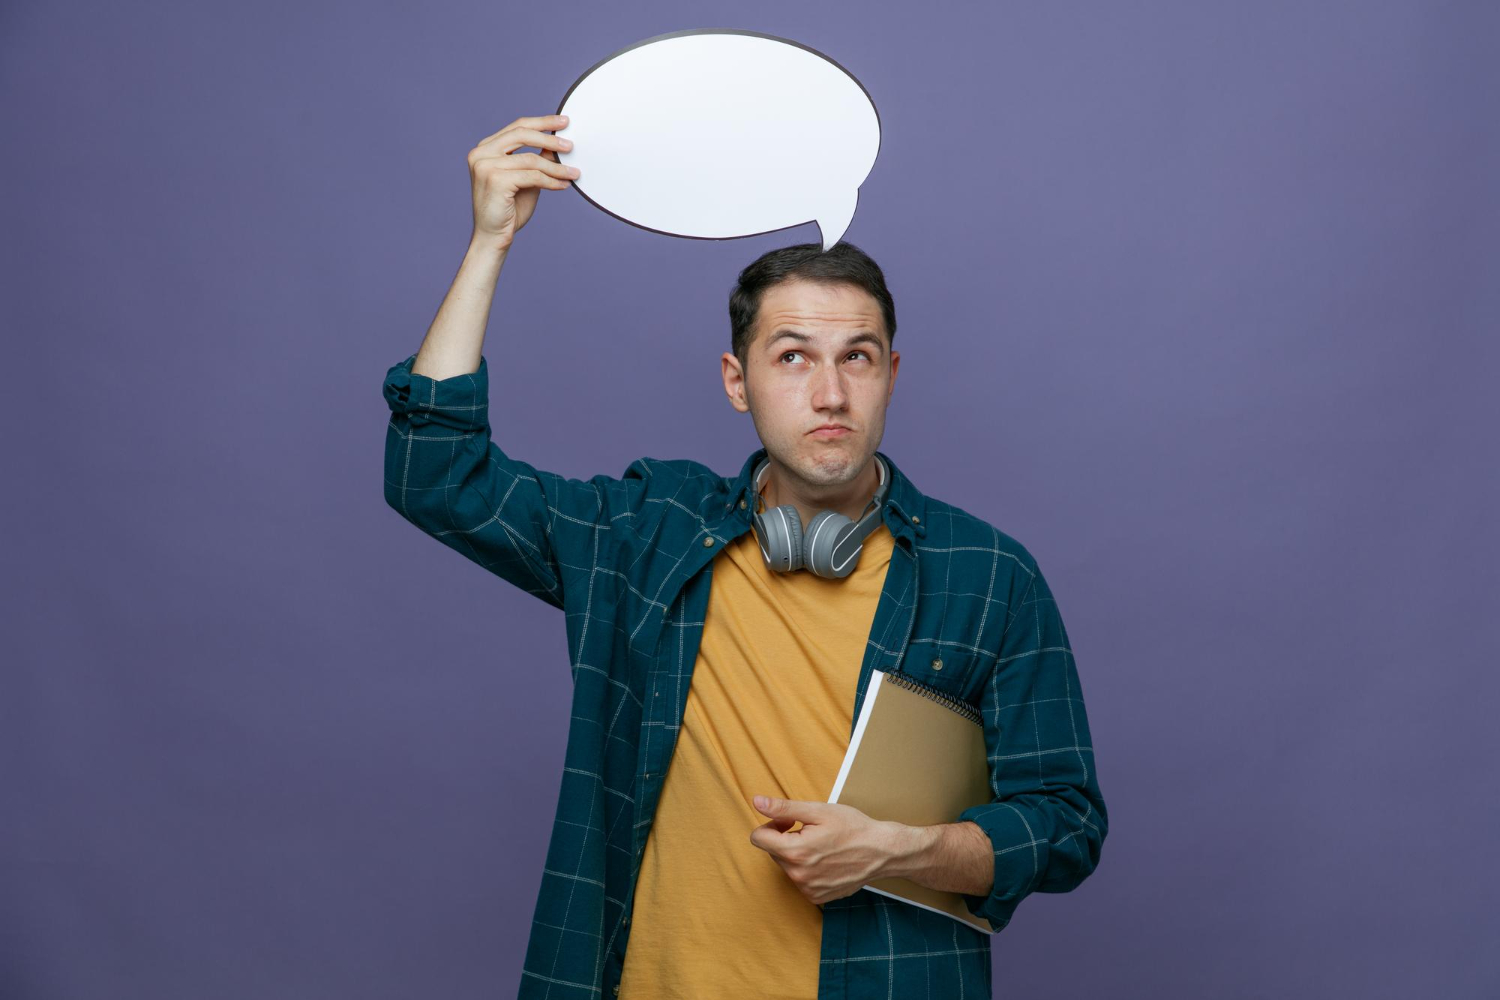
734,382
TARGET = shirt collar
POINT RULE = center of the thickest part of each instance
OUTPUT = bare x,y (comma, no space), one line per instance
904,513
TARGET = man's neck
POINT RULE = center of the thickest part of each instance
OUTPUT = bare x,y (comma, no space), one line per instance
851,501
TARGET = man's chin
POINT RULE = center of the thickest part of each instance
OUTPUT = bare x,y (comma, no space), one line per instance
831,463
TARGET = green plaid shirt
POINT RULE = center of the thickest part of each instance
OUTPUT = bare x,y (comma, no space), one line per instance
628,561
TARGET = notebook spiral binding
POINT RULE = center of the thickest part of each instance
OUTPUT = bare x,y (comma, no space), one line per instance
931,693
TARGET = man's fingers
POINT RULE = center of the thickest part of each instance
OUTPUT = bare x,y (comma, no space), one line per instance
767,837
770,835
550,122
493,176
523,162
801,809
513,138
535,178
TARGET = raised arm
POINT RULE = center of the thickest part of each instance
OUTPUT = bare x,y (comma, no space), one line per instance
505,185
533,528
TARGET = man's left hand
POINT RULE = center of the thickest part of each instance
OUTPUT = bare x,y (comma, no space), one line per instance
837,850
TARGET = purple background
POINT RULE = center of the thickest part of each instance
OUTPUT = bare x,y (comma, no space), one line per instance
1197,301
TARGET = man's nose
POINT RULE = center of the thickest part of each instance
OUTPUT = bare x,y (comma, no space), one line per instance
829,391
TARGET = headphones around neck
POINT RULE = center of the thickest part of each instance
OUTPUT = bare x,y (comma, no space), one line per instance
830,546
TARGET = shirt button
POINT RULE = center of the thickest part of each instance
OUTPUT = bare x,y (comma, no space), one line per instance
708,542
617,989
937,664
916,520
742,505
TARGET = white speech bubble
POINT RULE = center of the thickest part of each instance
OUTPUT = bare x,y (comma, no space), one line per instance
717,133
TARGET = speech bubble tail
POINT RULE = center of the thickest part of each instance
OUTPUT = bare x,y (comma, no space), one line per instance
834,216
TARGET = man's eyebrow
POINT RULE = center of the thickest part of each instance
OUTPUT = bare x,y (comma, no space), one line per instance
862,337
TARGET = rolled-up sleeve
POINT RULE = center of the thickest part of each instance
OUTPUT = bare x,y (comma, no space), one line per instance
444,474
1046,822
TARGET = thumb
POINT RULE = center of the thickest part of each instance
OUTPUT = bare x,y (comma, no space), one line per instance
788,808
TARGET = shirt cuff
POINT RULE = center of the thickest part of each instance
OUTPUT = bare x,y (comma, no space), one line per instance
460,402
1019,859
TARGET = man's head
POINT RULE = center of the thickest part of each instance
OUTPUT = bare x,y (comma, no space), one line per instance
811,337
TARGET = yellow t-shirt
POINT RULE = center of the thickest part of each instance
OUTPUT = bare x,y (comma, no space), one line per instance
768,712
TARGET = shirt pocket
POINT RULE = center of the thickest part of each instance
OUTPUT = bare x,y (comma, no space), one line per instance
944,667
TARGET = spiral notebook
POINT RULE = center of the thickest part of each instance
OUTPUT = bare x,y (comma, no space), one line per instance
917,756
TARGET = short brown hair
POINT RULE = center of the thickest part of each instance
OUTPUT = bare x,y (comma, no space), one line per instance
842,263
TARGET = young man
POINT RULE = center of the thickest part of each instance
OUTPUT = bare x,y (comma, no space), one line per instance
719,663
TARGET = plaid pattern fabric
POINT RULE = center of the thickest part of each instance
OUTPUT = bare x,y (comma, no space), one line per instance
629,563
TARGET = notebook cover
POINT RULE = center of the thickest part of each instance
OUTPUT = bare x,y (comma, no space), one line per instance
914,761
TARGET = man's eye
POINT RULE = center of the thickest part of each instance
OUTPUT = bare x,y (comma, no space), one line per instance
851,354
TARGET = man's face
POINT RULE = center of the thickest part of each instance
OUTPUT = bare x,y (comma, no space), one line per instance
818,356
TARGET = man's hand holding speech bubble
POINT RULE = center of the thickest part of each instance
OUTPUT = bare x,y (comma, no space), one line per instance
506,183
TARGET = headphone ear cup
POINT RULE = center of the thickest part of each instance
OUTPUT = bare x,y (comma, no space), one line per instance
763,537
824,533
779,531
796,554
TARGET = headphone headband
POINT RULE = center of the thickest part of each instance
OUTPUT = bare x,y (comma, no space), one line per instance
881,488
